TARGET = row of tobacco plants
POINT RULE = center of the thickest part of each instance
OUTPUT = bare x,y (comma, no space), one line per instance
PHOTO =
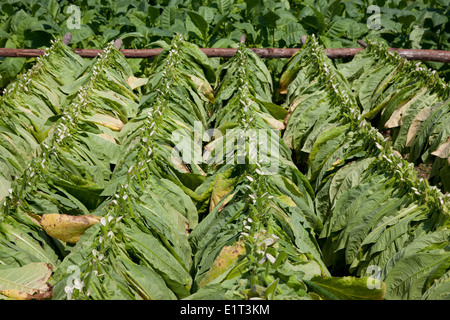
104,195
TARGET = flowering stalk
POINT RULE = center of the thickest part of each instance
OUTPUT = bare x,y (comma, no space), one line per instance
66,128
143,155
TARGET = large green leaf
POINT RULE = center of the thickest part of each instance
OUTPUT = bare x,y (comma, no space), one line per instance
409,278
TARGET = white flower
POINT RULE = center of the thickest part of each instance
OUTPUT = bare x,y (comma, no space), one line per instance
378,146
250,178
387,159
103,220
270,257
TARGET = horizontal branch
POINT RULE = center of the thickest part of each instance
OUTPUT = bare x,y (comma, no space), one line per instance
411,54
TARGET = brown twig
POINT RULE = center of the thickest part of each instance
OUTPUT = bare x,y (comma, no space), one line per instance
67,38
362,43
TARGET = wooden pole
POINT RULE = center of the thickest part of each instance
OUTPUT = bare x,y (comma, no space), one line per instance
67,38
411,54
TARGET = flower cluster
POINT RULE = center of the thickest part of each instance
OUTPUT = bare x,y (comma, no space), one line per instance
245,107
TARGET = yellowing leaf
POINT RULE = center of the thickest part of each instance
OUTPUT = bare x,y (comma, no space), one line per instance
443,151
220,190
107,137
286,79
27,282
227,257
348,288
178,163
181,124
396,153
204,87
286,200
25,110
415,124
215,143
65,227
20,295
106,121
274,123
397,116
226,201
134,82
